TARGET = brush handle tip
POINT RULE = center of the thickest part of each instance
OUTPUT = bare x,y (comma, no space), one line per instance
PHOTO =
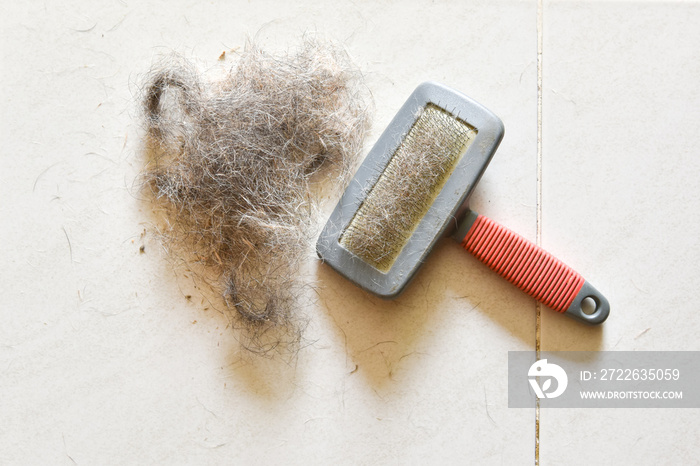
534,270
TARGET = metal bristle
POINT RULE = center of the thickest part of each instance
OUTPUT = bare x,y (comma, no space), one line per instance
404,192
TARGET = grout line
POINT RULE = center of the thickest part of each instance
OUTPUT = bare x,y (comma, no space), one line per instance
538,309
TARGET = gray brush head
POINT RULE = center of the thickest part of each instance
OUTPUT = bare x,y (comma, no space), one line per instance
411,188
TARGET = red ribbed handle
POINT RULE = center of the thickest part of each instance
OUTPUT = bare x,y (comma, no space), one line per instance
524,264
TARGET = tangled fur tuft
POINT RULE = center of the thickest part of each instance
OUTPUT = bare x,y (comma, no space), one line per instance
233,163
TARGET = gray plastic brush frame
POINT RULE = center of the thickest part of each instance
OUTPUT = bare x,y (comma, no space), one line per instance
444,211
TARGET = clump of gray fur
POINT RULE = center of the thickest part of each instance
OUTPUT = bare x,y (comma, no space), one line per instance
232,164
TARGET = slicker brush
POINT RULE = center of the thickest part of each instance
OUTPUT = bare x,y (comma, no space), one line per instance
414,187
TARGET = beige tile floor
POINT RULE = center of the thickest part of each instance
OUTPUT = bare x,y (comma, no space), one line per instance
620,196
104,361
